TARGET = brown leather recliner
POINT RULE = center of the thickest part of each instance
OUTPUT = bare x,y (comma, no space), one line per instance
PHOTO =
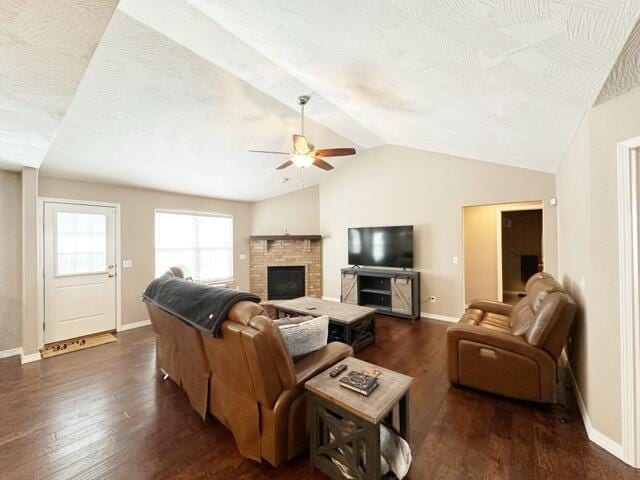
257,390
513,350
180,352
246,379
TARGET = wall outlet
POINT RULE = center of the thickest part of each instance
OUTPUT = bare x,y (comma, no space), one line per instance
127,263
432,299
243,256
456,260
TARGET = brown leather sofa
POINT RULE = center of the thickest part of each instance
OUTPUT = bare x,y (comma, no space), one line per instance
513,350
246,379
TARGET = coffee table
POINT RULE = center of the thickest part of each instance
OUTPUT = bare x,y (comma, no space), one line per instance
345,426
351,324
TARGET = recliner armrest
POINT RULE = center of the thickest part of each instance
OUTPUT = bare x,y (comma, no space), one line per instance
492,306
320,360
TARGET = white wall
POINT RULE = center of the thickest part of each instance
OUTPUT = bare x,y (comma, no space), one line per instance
588,252
394,185
298,212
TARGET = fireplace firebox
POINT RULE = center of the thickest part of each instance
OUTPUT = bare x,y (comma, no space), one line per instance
285,282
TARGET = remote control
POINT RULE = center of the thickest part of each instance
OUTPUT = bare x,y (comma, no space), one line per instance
337,371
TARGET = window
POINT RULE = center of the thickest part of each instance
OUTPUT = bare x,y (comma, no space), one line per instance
81,243
203,243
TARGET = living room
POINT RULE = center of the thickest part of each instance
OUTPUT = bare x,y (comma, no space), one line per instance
159,154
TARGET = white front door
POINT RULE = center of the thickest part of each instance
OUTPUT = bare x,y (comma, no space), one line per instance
79,270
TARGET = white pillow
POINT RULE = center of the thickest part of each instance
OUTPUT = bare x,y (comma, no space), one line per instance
305,337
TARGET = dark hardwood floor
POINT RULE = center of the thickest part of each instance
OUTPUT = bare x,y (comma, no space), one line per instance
106,413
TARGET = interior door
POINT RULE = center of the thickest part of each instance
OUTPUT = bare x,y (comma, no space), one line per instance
79,270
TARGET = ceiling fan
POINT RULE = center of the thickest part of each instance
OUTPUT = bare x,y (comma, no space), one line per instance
304,154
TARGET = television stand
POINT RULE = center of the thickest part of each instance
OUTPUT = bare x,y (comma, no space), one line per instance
390,291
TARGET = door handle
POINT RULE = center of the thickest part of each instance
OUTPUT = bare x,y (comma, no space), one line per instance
111,275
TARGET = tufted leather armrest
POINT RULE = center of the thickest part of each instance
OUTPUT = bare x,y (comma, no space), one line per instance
492,306
320,360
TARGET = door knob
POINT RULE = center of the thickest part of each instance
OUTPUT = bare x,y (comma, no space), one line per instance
111,275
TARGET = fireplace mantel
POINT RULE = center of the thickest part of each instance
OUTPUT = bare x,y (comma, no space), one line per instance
286,237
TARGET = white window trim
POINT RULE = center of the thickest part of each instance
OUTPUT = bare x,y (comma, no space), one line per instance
217,281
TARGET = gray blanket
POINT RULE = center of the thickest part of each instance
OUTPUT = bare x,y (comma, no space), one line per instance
203,306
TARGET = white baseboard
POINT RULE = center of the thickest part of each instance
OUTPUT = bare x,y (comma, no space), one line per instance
332,299
435,316
32,357
12,352
131,326
599,438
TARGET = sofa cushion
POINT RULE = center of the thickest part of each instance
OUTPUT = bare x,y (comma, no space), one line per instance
521,317
304,336
472,316
496,321
539,290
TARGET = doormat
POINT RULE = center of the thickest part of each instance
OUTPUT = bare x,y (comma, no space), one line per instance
66,346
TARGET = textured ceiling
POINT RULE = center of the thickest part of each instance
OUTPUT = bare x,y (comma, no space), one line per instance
151,113
499,80
178,90
45,47
626,72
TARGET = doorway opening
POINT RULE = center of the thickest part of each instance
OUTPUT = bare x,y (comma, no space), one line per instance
503,247
519,252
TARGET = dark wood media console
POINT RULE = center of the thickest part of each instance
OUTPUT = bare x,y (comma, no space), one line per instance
391,292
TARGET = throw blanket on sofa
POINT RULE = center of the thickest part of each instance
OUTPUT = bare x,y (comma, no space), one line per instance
203,306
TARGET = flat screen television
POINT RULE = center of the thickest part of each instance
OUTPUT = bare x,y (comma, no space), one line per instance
381,246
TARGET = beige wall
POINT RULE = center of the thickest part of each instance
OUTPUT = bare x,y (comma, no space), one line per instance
298,212
393,185
10,260
481,247
30,323
588,250
138,230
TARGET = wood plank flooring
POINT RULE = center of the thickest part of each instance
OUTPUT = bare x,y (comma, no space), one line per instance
106,413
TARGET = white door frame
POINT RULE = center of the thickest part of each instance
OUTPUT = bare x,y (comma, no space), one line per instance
512,208
40,258
628,236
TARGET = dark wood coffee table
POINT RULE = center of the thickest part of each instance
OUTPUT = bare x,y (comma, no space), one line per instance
351,324
345,426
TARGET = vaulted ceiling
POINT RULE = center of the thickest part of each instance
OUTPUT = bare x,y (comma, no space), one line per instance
171,94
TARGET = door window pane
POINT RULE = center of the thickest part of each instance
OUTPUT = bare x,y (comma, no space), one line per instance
80,243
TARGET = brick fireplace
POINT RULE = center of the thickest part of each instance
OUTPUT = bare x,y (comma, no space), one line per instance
301,251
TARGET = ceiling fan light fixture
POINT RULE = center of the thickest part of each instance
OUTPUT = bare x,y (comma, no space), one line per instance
302,161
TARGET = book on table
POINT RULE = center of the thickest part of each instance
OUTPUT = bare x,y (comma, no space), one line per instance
359,382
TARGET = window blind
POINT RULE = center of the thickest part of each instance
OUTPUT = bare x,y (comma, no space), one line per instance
201,242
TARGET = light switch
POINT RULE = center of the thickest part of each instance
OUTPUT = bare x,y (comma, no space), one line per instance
127,263
243,256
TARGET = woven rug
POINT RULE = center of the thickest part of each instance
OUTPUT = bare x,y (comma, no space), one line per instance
59,348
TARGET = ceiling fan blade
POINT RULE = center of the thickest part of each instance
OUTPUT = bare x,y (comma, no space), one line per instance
318,162
300,144
334,152
285,165
269,151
